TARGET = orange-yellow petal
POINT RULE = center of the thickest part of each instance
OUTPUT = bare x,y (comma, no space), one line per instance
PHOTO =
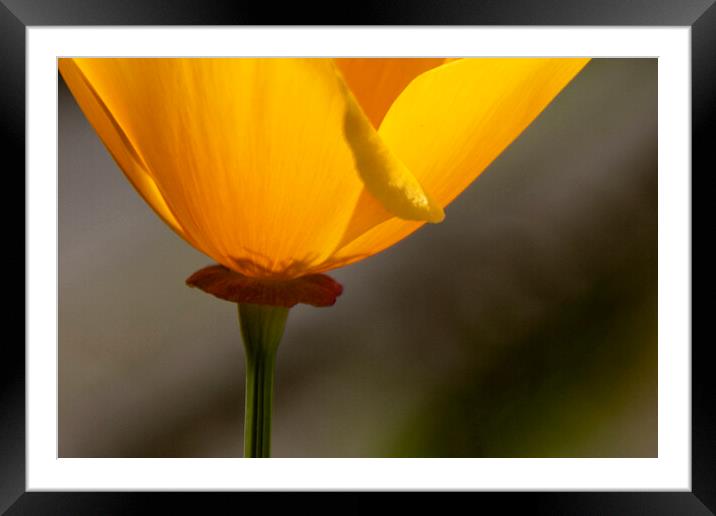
116,142
448,125
249,154
377,82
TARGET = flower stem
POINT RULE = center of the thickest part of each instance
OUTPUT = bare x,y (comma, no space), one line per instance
262,328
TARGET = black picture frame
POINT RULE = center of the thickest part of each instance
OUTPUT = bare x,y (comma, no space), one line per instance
17,15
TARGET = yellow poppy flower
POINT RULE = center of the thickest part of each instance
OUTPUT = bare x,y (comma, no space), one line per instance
282,168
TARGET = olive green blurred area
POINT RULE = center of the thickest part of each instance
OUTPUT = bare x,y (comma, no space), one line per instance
525,325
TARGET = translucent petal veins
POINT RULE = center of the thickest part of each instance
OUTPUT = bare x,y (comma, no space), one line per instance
282,168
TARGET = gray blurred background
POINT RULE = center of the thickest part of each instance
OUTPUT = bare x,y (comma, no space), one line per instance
523,326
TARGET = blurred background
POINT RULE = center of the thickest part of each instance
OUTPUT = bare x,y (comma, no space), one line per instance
525,325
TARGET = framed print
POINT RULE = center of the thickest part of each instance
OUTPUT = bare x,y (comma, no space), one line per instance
459,240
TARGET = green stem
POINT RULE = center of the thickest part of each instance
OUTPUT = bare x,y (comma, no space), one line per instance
262,328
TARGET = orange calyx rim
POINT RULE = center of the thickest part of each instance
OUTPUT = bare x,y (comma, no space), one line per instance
313,289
